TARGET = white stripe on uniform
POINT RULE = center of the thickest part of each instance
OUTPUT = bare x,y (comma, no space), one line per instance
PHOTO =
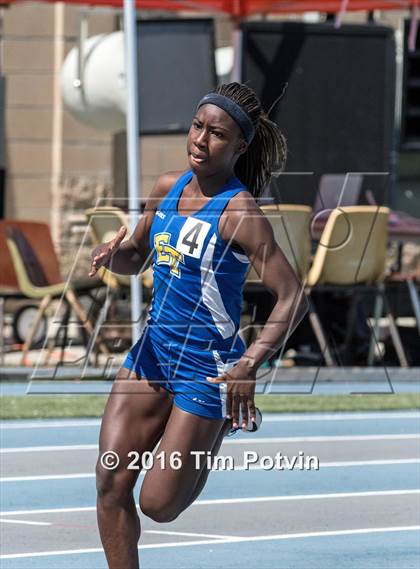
212,298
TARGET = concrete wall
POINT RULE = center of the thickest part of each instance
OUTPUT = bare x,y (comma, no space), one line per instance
31,41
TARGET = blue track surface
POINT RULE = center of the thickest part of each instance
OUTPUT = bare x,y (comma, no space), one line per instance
304,388
376,549
79,435
229,484
372,551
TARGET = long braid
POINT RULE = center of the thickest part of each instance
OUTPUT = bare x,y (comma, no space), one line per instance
267,152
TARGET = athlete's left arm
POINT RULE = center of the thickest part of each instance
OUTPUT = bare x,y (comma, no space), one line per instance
244,224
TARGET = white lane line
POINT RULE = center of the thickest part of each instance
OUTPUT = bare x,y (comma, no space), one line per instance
223,541
228,441
48,448
48,477
222,501
268,418
186,533
51,424
329,439
25,522
50,511
13,450
388,462
334,464
305,497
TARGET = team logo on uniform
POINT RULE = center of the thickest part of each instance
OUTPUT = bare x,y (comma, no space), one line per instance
189,244
167,254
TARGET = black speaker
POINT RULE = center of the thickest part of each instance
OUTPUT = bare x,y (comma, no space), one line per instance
176,69
410,111
338,111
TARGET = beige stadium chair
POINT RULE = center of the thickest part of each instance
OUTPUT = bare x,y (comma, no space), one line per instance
351,254
104,223
291,227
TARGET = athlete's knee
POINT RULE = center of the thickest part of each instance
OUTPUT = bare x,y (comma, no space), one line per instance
158,514
158,510
113,487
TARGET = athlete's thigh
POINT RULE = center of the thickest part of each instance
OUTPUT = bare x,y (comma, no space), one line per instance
134,419
185,435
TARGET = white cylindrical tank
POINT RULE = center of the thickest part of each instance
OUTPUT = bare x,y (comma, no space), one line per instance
100,99
224,63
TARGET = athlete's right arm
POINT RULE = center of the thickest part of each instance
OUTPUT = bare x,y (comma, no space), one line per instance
133,255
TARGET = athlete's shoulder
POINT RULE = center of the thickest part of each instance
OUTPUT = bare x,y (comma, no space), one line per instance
167,180
162,187
242,203
240,206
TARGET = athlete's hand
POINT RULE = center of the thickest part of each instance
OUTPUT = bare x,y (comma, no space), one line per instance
103,253
240,394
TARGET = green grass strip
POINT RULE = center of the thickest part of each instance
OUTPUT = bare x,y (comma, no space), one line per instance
49,406
319,403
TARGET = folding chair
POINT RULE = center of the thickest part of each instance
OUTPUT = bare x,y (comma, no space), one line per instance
38,276
291,228
104,223
351,255
9,286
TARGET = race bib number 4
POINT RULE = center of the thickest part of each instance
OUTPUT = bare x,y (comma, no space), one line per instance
191,237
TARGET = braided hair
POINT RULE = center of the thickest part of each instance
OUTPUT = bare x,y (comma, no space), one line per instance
267,151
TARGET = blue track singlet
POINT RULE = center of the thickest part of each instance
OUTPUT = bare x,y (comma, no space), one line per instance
192,330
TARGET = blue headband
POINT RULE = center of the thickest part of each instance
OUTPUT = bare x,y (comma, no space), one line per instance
232,109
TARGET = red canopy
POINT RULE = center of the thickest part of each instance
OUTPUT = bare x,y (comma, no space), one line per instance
243,8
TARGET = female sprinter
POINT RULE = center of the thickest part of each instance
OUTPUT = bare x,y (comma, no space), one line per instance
203,228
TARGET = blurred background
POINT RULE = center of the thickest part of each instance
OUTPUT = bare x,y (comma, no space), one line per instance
342,80
350,111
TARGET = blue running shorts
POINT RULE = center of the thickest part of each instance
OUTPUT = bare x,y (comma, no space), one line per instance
182,370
